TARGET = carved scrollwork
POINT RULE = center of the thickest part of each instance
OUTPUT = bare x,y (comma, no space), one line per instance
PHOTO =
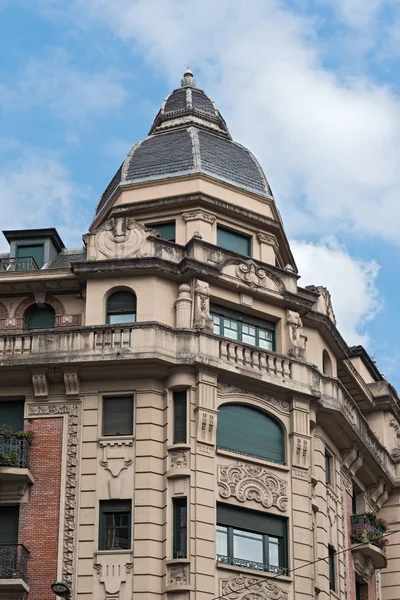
251,588
252,482
178,575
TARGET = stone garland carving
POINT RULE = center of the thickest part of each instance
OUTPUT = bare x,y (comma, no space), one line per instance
119,237
178,575
179,459
199,215
71,479
227,389
252,482
251,588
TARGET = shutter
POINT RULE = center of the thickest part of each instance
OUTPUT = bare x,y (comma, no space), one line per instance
180,403
9,516
121,302
41,318
118,415
249,520
249,431
12,414
232,240
36,251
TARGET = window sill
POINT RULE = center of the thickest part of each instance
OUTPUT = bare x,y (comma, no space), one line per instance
115,439
252,459
177,561
106,552
179,447
265,574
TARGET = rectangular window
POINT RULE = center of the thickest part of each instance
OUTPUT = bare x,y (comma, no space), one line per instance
180,527
117,415
328,469
115,525
12,413
166,230
250,330
233,240
25,254
9,517
332,568
251,540
354,502
180,416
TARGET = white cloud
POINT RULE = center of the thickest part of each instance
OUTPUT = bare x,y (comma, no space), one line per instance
66,91
330,146
36,191
351,282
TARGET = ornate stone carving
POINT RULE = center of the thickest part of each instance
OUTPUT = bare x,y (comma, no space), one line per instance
396,433
183,307
251,588
247,482
179,459
199,215
232,390
378,494
205,427
202,318
112,572
363,566
116,455
178,575
265,238
301,455
297,340
352,459
324,302
72,411
120,237
40,384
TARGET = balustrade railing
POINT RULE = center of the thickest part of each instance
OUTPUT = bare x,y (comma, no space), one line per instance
14,452
13,561
256,358
369,530
26,263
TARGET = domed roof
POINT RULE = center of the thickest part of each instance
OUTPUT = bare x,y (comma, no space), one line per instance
188,136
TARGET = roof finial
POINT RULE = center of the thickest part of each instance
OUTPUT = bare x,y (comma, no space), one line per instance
188,79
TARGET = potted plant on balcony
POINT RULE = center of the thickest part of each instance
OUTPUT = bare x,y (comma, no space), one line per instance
369,529
9,459
7,432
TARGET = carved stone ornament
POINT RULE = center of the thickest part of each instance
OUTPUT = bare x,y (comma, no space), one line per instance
225,389
396,432
179,459
116,455
178,575
265,238
251,588
40,385
71,382
199,215
363,566
247,482
72,412
352,460
378,494
297,340
113,572
119,237
202,318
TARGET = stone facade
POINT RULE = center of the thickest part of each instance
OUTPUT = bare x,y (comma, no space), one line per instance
339,418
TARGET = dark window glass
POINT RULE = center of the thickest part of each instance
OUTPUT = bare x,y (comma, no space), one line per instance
12,414
115,525
328,468
249,431
35,251
239,327
180,402
354,503
121,308
117,415
180,527
233,240
166,230
9,516
41,318
332,568
251,539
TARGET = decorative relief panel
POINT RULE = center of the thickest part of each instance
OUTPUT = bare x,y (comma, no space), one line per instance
225,389
116,455
396,434
251,588
120,237
113,571
72,410
297,341
178,575
199,215
301,452
179,459
205,426
202,318
252,482
253,275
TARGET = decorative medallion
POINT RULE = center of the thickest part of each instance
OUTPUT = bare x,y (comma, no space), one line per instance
251,588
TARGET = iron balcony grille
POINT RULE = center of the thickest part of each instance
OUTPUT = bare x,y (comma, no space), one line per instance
13,561
26,263
14,452
248,454
250,564
365,528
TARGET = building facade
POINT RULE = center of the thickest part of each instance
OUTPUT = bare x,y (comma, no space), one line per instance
180,420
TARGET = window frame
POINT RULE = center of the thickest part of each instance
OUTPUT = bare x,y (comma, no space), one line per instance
112,313
106,397
37,310
180,415
179,530
239,235
332,568
114,507
242,319
234,519
329,477
163,224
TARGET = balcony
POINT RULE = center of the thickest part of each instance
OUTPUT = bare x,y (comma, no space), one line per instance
13,570
15,476
27,263
369,543
250,564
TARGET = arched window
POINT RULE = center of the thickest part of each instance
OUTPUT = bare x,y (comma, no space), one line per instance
326,363
41,318
121,308
249,431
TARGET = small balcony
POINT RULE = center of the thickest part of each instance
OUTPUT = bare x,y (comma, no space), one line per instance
26,263
13,569
15,476
369,543
250,564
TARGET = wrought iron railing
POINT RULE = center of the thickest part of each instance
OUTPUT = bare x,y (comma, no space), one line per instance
366,529
14,452
13,561
27,263
250,564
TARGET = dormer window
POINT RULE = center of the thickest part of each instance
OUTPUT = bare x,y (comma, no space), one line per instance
30,257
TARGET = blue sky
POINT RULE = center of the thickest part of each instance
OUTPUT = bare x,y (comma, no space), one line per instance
311,87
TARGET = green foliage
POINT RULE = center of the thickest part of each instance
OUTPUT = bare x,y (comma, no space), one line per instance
7,432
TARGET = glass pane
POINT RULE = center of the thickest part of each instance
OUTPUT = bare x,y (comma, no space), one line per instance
249,334
217,324
121,318
230,329
248,546
41,318
274,552
222,540
35,251
232,240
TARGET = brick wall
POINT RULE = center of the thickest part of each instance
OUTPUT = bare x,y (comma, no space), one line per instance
39,518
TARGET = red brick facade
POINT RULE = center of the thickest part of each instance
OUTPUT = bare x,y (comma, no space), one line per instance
39,518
